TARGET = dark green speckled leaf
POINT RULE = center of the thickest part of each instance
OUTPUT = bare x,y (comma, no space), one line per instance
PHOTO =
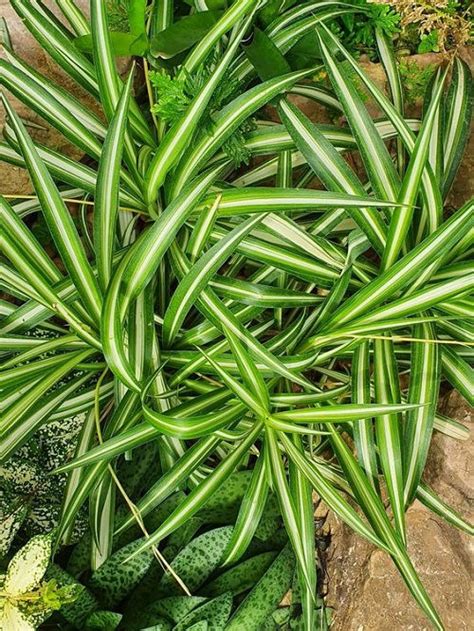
143,594
276,541
75,613
174,608
103,621
171,609
136,472
185,533
115,579
266,595
152,521
215,612
268,526
271,520
199,558
241,577
161,625
223,506
79,561
269,625
199,626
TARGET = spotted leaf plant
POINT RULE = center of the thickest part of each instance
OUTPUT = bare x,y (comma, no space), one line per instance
26,599
242,322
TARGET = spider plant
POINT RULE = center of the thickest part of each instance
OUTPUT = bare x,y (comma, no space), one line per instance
289,318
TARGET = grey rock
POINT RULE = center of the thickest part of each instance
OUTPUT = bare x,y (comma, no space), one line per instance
364,586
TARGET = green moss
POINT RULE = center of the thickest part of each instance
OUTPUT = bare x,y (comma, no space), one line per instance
415,79
174,95
117,13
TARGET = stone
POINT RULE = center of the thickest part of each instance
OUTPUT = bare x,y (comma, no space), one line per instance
316,112
368,594
449,469
364,586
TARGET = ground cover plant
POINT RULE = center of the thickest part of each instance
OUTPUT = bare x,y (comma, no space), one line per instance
220,318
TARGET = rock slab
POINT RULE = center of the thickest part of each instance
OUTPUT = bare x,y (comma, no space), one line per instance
365,589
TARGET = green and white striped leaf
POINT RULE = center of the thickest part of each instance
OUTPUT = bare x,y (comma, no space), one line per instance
201,272
424,386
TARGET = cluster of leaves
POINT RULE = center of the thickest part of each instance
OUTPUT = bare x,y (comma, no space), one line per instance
27,482
422,26
117,11
224,338
433,25
208,596
30,497
174,95
357,30
26,598
415,79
